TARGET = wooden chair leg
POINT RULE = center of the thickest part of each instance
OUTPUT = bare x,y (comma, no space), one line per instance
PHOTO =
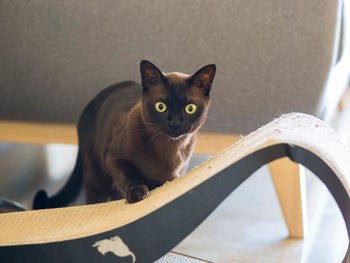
289,181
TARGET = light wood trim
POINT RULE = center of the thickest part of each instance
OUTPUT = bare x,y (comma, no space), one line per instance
344,100
44,133
289,181
213,143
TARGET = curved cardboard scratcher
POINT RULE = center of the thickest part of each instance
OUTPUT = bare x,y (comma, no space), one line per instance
145,231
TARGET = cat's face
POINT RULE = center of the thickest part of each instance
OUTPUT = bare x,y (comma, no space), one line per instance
174,103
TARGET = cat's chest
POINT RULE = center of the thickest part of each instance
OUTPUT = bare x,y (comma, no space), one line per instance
163,163
161,168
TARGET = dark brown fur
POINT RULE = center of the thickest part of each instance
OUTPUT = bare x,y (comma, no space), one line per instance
126,147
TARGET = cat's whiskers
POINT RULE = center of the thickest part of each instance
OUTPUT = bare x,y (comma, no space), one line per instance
141,127
141,130
153,137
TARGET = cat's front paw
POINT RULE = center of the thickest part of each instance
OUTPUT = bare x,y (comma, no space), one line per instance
136,193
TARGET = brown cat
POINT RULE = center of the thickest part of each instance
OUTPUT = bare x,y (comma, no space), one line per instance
128,145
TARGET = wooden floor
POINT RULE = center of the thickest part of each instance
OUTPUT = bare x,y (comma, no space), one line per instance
175,257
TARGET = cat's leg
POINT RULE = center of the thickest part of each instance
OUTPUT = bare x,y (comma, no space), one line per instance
136,192
128,179
96,182
116,194
94,197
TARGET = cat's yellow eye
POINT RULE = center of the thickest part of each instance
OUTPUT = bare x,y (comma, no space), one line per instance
160,106
191,108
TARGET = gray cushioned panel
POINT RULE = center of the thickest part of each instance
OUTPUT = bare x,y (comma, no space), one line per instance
272,56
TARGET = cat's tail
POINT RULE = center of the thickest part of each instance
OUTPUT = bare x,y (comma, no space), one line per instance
66,195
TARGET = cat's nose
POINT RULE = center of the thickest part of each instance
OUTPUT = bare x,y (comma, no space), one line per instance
174,127
174,124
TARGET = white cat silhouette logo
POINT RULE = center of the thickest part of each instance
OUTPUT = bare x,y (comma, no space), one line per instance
114,245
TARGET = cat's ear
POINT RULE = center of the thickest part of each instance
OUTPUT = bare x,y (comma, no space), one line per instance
203,78
150,75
